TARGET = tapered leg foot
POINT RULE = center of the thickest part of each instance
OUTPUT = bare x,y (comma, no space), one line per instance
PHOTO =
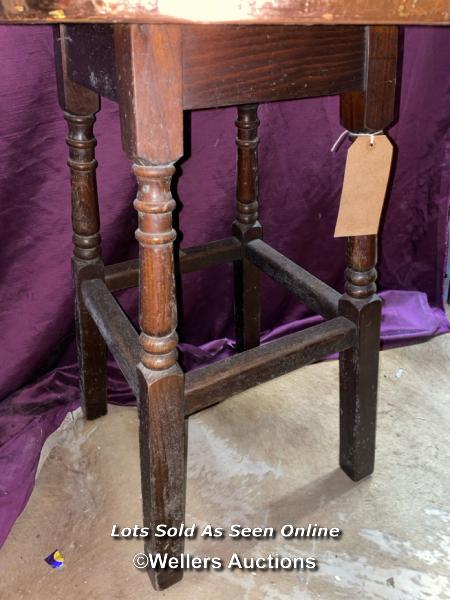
91,348
358,389
161,418
359,365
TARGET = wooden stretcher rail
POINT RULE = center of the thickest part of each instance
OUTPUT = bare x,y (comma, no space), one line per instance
316,294
119,334
212,384
213,253
123,275
126,274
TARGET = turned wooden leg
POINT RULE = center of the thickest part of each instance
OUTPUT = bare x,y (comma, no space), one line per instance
80,106
86,262
359,365
246,227
148,62
368,111
161,408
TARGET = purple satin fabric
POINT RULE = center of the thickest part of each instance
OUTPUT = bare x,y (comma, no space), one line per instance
300,183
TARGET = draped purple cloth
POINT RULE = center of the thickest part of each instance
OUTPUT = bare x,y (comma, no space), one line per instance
300,183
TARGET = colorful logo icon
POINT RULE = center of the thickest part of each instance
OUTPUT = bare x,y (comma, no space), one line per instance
55,559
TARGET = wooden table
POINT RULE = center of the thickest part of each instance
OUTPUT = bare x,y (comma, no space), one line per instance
157,60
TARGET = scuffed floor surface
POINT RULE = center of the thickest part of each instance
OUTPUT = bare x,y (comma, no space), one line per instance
263,458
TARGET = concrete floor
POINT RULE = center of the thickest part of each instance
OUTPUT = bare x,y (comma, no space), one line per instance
263,458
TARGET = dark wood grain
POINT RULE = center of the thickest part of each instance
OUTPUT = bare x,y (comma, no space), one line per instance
91,347
161,443
122,275
359,383
126,274
157,302
148,65
72,97
161,411
149,86
161,406
91,58
80,105
236,64
372,110
225,65
316,294
82,163
86,263
247,278
118,332
359,365
214,383
210,254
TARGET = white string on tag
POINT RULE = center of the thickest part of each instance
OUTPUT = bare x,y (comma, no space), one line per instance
353,134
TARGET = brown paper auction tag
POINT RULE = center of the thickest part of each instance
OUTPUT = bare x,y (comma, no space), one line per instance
364,188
